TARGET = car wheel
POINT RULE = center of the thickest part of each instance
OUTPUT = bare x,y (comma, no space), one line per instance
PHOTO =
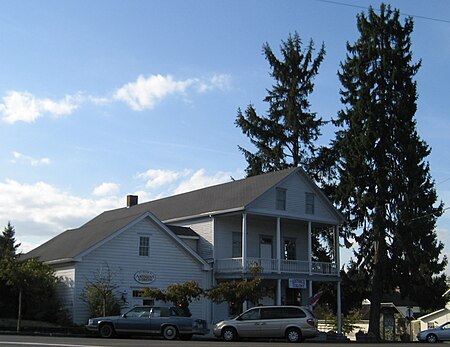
170,332
432,338
229,334
106,331
293,335
185,337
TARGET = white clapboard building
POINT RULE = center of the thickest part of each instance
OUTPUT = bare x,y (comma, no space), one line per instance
207,235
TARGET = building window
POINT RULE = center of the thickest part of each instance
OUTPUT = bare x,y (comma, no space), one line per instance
281,199
309,203
237,245
144,246
290,252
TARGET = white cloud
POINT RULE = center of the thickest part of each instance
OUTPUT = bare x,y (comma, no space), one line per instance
159,178
40,211
19,157
146,92
106,188
199,179
25,107
216,82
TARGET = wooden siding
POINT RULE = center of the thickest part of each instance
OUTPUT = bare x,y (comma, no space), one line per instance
223,234
204,228
66,286
296,186
168,261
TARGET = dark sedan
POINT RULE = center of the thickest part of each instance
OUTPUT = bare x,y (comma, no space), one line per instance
149,320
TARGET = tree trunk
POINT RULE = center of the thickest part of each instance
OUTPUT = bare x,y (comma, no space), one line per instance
375,303
19,314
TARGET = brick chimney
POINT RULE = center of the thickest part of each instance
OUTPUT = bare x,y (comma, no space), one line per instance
132,200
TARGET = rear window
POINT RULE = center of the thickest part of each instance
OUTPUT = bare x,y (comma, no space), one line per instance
282,312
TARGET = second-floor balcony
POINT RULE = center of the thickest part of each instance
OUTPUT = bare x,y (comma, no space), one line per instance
274,266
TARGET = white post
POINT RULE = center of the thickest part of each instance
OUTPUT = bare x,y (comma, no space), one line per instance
339,310
337,252
244,242
279,244
278,302
310,247
244,251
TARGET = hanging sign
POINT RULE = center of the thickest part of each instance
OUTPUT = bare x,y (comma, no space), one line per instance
298,283
144,277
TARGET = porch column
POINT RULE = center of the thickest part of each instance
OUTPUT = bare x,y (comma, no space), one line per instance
310,246
279,245
339,310
244,242
278,302
337,251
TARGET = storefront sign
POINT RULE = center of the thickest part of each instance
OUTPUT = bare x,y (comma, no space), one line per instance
297,283
144,277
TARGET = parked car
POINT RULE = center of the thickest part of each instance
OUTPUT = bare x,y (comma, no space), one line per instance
441,333
294,323
149,320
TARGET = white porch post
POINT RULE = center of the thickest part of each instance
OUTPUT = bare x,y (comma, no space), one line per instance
279,245
310,246
278,302
244,242
337,251
244,251
339,310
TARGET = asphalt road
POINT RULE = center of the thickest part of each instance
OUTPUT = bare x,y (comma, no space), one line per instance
44,341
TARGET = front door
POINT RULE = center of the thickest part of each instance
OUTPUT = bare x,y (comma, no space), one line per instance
266,254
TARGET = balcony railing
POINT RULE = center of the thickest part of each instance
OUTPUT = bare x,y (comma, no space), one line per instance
271,266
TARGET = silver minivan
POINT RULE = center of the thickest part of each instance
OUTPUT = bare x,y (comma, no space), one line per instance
294,323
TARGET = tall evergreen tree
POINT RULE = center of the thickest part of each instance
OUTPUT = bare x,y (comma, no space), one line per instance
286,136
385,187
8,246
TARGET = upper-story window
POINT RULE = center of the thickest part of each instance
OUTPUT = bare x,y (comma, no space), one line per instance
144,246
281,199
309,203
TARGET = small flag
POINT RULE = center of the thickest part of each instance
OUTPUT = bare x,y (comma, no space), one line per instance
312,301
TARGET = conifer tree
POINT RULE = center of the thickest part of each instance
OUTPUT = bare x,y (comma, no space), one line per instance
385,187
286,136
8,246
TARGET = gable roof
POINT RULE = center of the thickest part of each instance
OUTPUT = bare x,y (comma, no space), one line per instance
235,195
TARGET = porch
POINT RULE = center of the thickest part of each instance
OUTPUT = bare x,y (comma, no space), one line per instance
274,266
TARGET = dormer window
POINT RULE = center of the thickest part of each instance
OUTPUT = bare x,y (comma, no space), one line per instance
309,203
281,199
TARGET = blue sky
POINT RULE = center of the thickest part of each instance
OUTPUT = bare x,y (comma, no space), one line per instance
100,99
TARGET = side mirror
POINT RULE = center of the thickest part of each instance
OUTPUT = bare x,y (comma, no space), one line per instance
124,316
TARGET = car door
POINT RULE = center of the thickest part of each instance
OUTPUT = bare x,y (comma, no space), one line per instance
271,324
444,332
135,321
248,324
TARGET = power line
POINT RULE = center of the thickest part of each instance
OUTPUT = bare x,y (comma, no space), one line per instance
340,3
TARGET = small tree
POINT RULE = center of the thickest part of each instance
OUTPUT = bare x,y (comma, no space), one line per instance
236,292
349,322
100,293
180,294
